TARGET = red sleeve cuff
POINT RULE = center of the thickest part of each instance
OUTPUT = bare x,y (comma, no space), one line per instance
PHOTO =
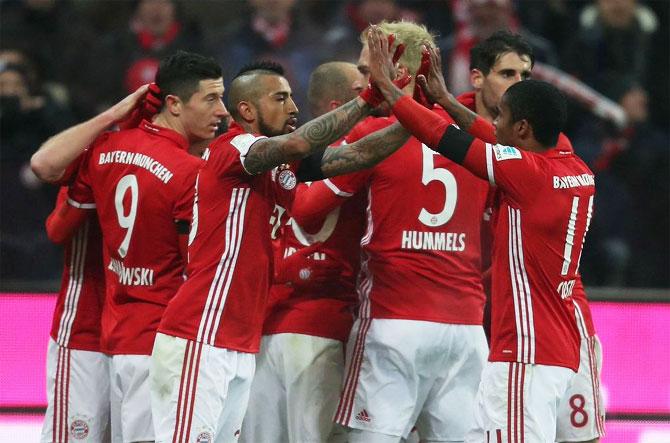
423,123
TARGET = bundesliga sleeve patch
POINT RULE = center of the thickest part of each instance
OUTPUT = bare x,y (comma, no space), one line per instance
243,142
506,152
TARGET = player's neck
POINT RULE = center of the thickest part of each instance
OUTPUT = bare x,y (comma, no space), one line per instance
480,108
167,121
249,127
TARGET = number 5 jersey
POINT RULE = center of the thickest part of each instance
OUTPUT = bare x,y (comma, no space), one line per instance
421,252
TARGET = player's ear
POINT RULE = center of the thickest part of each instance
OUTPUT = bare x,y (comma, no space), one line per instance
523,129
476,78
247,111
173,104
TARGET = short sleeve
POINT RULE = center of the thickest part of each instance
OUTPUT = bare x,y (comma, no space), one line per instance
226,156
514,171
80,194
242,143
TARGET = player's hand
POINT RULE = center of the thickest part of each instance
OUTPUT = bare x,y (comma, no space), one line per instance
432,84
303,272
419,94
144,109
372,95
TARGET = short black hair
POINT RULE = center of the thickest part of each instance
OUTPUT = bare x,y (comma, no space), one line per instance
261,66
244,86
484,55
542,105
180,73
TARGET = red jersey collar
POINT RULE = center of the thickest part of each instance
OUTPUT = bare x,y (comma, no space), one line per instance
563,147
174,136
235,128
467,99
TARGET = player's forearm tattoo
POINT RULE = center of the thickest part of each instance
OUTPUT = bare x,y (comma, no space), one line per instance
333,125
265,154
268,153
463,116
390,92
365,152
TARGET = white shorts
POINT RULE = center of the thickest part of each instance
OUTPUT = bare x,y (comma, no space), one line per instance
131,410
77,396
199,393
518,402
581,415
403,372
295,390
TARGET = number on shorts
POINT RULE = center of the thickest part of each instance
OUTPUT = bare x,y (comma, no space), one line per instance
430,173
126,221
578,416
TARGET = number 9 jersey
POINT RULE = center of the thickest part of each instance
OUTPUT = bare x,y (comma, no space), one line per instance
142,183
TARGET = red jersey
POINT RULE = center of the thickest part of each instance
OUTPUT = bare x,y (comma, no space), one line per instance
582,310
328,315
76,320
543,207
141,181
421,249
223,301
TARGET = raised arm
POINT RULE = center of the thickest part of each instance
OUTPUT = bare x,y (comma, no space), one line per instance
64,220
267,153
434,87
363,153
53,157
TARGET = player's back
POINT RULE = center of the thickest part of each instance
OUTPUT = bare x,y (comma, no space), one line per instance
76,320
543,211
142,181
421,249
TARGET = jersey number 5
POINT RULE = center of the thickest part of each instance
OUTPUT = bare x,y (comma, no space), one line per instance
128,182
430,173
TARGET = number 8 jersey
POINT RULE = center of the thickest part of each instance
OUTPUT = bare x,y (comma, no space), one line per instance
421,252
141,181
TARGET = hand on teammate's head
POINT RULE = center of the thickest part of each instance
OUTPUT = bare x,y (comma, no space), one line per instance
144,107
419,94
383,65
430,80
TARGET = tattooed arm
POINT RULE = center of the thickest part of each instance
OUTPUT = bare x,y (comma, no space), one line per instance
267,153
363,153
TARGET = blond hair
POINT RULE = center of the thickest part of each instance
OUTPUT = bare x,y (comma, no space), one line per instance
410,34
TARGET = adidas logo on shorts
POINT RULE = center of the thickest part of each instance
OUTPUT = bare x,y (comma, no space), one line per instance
363,416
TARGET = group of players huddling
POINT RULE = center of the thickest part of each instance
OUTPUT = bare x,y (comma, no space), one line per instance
325,282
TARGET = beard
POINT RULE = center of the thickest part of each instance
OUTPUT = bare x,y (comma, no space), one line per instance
268,130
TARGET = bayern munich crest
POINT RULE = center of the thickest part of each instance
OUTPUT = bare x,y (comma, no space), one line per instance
287,179
204,437
79,429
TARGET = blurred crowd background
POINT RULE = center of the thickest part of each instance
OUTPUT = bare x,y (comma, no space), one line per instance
63,61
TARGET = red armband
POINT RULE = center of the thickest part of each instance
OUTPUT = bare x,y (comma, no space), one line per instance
423,123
